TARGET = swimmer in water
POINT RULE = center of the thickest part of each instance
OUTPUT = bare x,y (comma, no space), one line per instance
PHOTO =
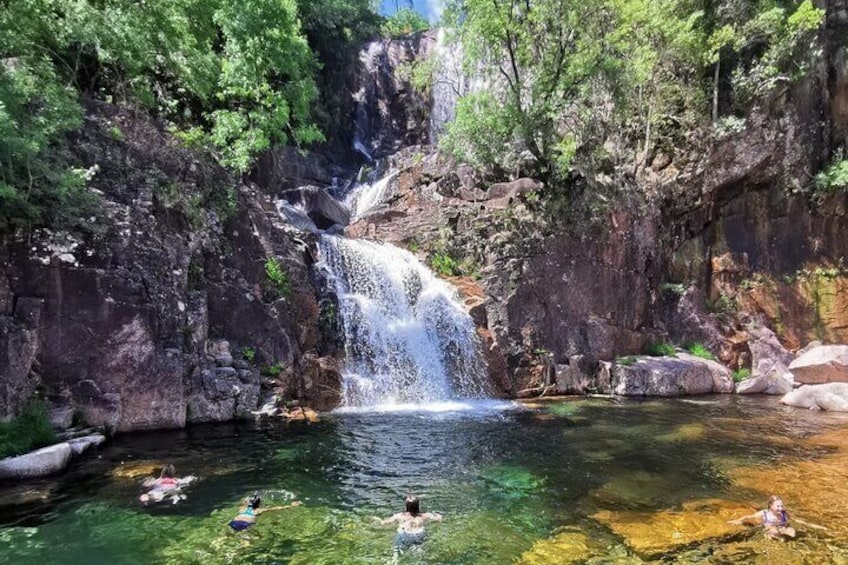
410,524
775,520
248,513
166,486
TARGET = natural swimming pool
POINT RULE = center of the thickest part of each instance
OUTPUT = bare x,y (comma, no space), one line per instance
577,481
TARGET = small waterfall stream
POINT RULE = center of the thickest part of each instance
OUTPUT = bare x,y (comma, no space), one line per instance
367,195
408,340
449,84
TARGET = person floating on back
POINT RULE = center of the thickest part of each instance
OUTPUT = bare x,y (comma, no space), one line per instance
248,513
410,529
166,486
775,520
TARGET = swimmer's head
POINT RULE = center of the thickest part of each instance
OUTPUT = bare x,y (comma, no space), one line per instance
168,471
255,500
775,504
413,506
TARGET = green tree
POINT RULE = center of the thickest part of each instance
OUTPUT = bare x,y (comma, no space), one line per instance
404,22
266,80
559,78
336,30
539,60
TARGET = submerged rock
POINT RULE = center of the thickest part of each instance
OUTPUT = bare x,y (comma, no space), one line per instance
561,549
651,534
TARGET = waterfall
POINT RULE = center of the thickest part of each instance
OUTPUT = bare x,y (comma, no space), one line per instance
407,337
367,195
449,84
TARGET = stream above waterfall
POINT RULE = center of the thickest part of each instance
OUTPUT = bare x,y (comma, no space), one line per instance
562,479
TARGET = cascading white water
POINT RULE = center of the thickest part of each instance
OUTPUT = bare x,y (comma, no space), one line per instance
407,338
365,196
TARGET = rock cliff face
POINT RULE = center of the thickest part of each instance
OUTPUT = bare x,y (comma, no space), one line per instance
690,248
159,313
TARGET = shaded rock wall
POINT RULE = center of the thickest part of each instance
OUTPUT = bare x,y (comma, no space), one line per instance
117,318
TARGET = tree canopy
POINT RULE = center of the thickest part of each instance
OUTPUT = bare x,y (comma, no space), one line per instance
555,77
237,76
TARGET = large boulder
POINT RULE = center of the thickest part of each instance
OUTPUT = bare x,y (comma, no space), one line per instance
39,463
777,381
682,375
829,396
823,364
766,350
324,210
514,188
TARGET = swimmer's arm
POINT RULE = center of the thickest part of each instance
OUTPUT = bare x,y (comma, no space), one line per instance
808,524
435,516
389,520
740,521
274,508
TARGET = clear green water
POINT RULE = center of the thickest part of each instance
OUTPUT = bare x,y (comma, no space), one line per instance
502,479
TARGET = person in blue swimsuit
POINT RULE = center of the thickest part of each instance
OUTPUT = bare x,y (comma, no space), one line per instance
410,529
247,515
775,520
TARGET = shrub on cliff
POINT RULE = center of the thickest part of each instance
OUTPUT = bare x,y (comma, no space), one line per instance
28,431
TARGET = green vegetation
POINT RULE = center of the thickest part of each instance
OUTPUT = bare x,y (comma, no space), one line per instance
404,22
626,361
724,305
272,371
676,289
28,431
248,353
666,65
834,177
741,374
700,350
421,75
445,265
660,349
234,76
564,79
116,133
277,276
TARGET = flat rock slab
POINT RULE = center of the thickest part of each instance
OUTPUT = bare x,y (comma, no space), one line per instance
80,444
39,463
